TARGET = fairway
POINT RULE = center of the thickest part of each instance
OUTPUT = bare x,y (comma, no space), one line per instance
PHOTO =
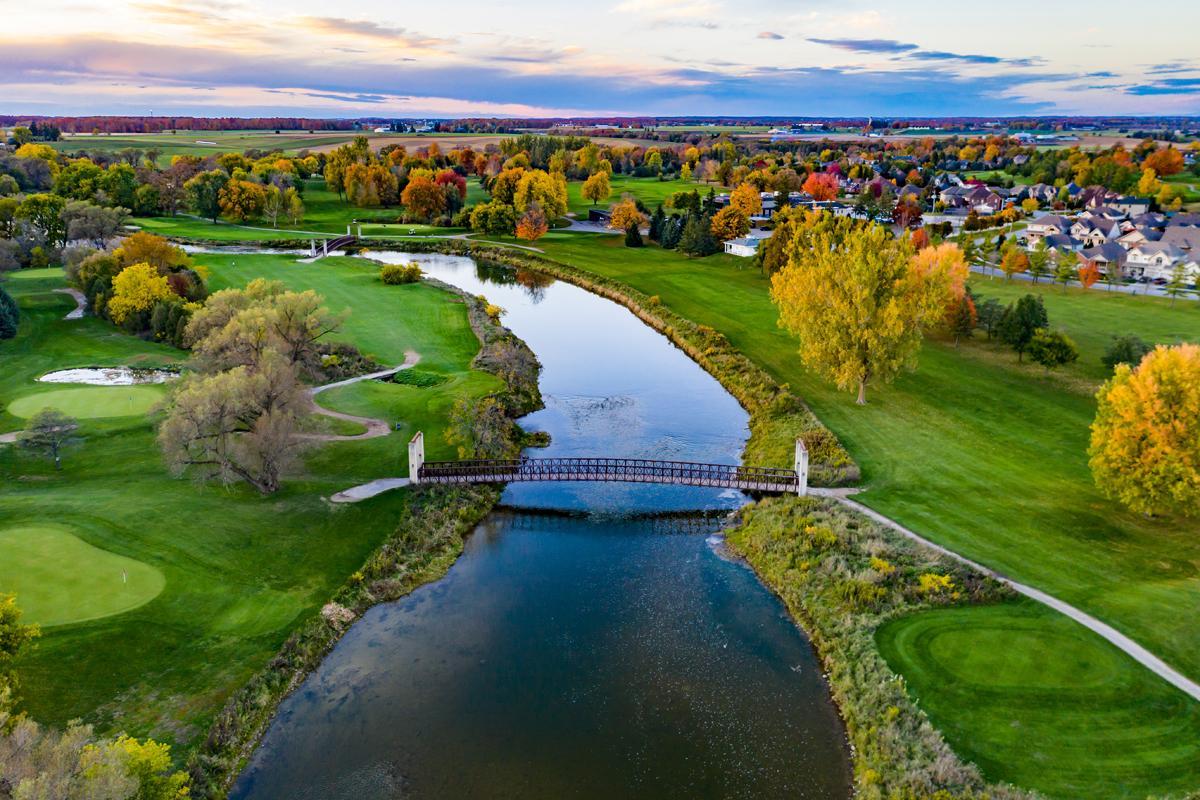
91,402
59,578
1037,700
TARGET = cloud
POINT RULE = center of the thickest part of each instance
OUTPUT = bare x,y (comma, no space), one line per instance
672,13
867,45
365,29
769,35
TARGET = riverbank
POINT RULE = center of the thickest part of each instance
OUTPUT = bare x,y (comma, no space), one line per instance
841,576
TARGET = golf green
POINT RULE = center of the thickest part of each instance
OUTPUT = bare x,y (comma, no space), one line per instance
89,402
60,578
1039,701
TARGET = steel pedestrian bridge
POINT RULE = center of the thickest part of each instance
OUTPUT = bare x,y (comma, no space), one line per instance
608,470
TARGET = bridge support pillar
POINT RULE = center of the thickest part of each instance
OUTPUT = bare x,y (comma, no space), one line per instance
348,230
360,231
801,467
325,247
313,249
416,457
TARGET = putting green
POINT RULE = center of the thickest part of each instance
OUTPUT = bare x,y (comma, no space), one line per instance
60,578
1040,701
91,401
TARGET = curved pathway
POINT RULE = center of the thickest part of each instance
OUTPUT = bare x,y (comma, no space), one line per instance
80,303
375,427
1123,642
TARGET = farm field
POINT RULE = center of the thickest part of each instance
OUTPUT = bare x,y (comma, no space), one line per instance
189,142
236,572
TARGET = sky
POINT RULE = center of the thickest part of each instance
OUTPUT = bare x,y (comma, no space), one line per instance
531,58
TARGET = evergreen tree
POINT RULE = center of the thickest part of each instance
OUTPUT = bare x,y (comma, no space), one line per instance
1021,321
697,238
671,233
10,315
961,318
633,237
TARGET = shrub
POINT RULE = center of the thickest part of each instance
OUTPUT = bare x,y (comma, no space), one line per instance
396,274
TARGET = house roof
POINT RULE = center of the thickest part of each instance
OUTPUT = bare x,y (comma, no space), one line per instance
1107,252
1149,249
1062,241
1052,220
1184,220
745,241
1133,201
1148,220
1187,238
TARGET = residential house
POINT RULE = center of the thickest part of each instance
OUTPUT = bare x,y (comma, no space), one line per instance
1094,196
1185,238
1154,260
1131,206
1133,238
1109,258
1047,225
1184,221
745,247
1043,193
1107,212
1063,242
1148,220
1096,231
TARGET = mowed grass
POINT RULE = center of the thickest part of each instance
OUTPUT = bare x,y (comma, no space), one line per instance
650,191
982,455
241,571
189,142
64,579
1034,700
90,402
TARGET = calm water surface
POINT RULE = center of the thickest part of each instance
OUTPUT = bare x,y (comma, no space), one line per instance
593,640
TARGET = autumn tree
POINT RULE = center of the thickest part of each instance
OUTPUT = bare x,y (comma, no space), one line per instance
859,300
821,186
532,225
1088,274
143,247
961,317
1014,261
1167,161
547,189
14,637
730,223
625,213
479,428
293,207
596,188
1052,349
49,433
242,200
136,289
746,199
1145,444
423,198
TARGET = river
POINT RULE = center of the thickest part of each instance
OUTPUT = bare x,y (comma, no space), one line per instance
593,640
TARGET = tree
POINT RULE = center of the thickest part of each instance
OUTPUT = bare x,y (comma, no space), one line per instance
93,224
143,247
821,186
730,223
625,213
1145,444
746,199
1065,271
596,188
532,225
1088,274
204,192
1030,205
1127,349
1167,161
990,314
293,206
1178,285
10,315
1014,261
238,425
242,200
1052,349
547,190
1039,261
1020,322
1149,184
14,637
44,214
697,238
273,206
135,289
423,198
49,433
961,317
859,300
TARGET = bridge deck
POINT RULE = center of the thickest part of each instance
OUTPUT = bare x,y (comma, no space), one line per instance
627,470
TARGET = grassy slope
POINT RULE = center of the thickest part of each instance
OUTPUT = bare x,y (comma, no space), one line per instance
650,191
1034,700
241,571
974,451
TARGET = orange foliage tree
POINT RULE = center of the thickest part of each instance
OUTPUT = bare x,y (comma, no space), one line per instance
1167,161
1145,446
532,225
1088,275
625,213
920,239
242,200
746,199
821,186
423,198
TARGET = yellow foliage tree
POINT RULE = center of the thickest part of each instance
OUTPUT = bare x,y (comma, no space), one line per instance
746,199
546,189
859,300
137,288
1145,447
1149,183
596,188
624,214
242,200
532,225
730,223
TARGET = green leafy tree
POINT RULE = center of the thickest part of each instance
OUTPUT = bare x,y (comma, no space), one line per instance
14,637
44,212
1039,261
479,428
1066,271
204,193
1178,285
1020,322
1052,349
49,433
10,315
1127,349
961,319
